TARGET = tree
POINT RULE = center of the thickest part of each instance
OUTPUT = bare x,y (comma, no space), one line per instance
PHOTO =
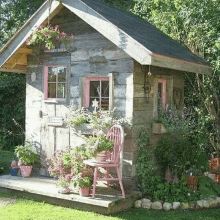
13,13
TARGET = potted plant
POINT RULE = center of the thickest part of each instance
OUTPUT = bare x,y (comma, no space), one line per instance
14,168
84,181
102,147
27,156
64,182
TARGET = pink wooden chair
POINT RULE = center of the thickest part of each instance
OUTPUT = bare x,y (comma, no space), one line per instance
116,135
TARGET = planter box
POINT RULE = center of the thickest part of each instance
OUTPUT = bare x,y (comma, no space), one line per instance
214,163
192,182
158,128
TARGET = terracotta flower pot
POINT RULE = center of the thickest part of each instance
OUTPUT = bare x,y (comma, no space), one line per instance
84,191
102,156
26,171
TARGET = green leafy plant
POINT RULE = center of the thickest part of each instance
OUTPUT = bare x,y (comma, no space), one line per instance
147,180
100,143
48,36
207,187
171,192
27,154
84,178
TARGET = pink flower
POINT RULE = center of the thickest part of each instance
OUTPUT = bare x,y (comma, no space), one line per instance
41,26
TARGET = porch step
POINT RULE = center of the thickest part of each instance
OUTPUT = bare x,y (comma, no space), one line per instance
45,189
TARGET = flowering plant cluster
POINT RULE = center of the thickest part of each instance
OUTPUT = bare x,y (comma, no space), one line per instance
84,179
48,36
100,121
68,163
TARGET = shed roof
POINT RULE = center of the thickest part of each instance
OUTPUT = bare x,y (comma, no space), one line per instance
138,38
144,32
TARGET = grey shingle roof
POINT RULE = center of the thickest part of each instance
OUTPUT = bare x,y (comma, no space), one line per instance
144,32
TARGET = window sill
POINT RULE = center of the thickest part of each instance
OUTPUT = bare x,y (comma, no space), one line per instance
55,101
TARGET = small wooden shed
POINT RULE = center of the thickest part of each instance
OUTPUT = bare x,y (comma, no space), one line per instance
110,47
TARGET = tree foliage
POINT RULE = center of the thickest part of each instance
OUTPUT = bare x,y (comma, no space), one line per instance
12,111
13,13
196,25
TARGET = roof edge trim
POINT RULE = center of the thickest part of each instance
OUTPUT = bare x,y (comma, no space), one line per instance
182,65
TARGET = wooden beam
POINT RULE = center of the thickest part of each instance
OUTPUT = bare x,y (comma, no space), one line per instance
24,71
24,50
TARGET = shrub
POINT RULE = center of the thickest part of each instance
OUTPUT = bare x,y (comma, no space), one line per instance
170,192
147,180
207,187
179,154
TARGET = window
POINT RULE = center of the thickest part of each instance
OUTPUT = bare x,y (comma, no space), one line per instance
97,88
54,82
162,94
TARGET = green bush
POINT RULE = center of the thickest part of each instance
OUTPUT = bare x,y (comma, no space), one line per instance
170,192
147,180
207,187
179,154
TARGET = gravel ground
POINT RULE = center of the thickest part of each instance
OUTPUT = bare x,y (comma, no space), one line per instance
6,201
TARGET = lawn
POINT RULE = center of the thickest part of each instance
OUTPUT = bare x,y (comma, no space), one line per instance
5,160
25,209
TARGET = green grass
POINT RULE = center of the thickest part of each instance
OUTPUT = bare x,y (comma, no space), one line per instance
25,209
5,160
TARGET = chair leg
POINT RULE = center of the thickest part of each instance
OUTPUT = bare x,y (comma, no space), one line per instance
120,182
108,182
94,181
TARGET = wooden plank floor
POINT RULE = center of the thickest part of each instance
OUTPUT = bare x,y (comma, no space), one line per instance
42,188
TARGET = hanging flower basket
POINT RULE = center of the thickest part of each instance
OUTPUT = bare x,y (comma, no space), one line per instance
49,37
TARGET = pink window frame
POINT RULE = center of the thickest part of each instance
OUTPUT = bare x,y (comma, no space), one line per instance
87,87
164,91
46,82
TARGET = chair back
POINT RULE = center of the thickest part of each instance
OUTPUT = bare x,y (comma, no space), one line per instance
116,135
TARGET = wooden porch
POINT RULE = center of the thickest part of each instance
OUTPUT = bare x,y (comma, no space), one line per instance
45,189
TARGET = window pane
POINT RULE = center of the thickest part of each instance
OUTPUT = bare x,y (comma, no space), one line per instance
51,74
62,74
52,90
94,88
105,89
105,103
61,90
